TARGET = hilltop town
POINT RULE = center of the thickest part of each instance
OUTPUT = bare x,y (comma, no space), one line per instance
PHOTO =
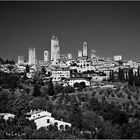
70,98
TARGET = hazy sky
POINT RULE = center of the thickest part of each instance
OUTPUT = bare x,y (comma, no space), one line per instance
110,28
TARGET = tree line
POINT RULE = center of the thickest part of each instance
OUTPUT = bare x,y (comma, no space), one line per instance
7,61
125,75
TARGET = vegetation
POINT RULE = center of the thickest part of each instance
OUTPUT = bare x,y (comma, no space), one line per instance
100,113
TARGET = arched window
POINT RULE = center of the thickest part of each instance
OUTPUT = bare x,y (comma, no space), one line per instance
61,127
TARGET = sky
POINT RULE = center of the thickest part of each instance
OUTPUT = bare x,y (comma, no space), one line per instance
111,27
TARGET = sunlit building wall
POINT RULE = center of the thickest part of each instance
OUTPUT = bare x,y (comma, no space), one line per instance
80,53
93,54
69,56
32,56
20,59
55,49
85,49
46,56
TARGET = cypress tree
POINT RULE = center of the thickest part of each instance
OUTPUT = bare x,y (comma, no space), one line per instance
131,77
36,90
27,68
51,91
138,72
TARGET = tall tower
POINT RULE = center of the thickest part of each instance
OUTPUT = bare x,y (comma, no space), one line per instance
69,56
85,49
46,55
55,49
80,53
32,57
93,54
20,59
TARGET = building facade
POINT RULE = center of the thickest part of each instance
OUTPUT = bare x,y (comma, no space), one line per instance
74,80
44,119
57,75
118,58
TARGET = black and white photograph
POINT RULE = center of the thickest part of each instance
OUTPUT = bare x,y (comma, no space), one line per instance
69,69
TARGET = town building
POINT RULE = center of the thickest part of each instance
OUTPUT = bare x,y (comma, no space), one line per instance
21,68
98,78
59,74
6,116
82,65
133,64
74,80
118,58
44,119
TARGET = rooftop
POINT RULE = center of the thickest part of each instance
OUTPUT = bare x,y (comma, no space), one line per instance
77,78
34,112
3,114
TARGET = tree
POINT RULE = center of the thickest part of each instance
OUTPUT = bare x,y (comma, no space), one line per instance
94,104
51,91
82,85
41,133
27,69
114,114
121,74
135,129
68,89
10,67
130,77
36,90
40,103
12,97
3,101
76,115
58,88
76,85
110,131
138,72
111,75
43,70
44,90
90,120
20,106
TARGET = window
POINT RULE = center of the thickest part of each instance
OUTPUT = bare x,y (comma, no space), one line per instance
61,127
48,121
56,123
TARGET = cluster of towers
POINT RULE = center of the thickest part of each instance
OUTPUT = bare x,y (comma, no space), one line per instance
55,53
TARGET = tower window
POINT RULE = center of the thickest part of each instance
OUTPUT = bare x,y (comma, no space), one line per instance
48,121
